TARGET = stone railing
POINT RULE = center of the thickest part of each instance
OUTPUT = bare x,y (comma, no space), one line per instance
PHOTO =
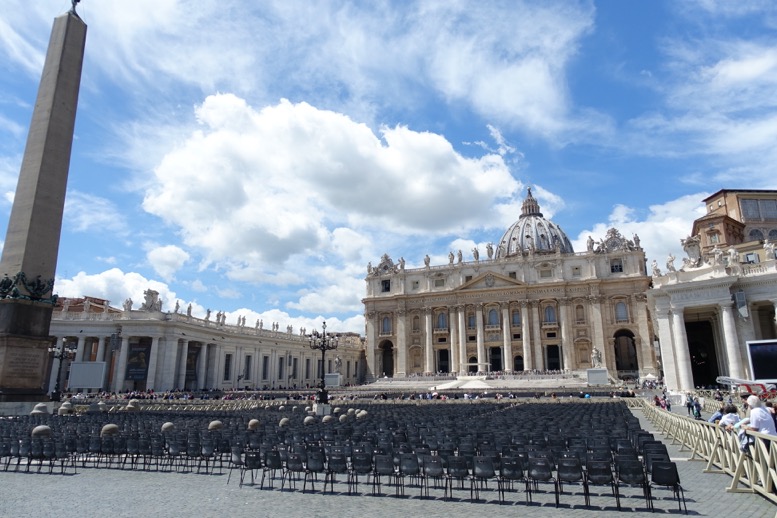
754,471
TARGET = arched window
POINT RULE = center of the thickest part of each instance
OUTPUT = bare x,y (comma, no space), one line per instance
773,235
550,315
621,312
386,326
580,314
493,317
442,321
516,318
756,235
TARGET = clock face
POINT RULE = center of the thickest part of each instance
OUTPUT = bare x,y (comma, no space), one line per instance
613,243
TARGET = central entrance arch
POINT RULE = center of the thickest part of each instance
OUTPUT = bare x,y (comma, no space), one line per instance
495,357
387,359
625,351
443,362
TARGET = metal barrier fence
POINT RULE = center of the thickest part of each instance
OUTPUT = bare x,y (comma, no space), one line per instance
754,471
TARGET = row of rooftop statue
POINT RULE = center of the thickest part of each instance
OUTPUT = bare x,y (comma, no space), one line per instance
716,257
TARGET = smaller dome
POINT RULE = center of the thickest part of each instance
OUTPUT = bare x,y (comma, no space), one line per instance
533,233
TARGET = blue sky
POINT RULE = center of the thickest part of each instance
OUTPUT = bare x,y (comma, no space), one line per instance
253,157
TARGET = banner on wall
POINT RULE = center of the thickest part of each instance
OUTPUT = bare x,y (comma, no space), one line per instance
137,362
191,364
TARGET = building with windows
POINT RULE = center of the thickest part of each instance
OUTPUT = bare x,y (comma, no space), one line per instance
530,303
723,295
151,349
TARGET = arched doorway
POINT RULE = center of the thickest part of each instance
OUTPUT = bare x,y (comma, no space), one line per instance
626,353
387,359
443,361
518,363
554,358
495,356
473,365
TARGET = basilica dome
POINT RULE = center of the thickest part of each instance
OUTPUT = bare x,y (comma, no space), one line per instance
532,233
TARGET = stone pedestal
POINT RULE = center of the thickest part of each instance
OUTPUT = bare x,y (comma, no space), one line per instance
24,368
321,409
597,377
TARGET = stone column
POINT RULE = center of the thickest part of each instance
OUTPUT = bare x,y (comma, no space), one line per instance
645,355
507,340
401,369
481,343
121,370
152,363
453,324
371,343
181,382
665,341
202,367
462,339
537,352
567,346
80,349
55,366
428,348
682,355
733,354
100,357
597,319
526,336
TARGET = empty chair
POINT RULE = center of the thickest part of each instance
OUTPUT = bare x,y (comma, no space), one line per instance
632,473
649,458
540,469
664,474
383,465
570,471
409,468
456,470
361,464
272,463
313,466
483,471
511,471
336,463
599,473
236,461
434,470
251,463
293,469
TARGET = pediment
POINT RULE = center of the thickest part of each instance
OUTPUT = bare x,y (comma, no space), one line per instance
488,281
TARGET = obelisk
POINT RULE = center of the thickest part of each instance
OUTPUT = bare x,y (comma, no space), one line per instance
29,259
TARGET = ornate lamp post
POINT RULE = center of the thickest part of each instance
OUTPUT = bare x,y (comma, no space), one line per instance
323,342
61,353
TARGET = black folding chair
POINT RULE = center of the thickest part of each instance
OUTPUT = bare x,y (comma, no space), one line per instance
664,474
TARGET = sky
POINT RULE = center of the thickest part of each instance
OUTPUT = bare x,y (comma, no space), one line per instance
254,157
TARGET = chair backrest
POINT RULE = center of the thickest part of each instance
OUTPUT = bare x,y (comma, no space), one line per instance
540,469
569,470
383,464
665,474
337,463
315,463
272,459
294,462
361,462
630,471
408,464
512,468
483,467
253,460
599,472
433,466
457,467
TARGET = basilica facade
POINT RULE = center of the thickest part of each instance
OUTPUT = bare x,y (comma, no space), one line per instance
528,303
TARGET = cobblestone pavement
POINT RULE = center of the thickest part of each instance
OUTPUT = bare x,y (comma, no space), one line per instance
116,493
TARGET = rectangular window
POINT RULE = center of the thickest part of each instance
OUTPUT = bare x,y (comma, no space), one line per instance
281,366
467,278
307,368
616,266
751,258
348,369
551,335
750,210
329,365
265,367
294,368
385,285
546,274
227,367
714,238
442,340
516,336
439,283
471,321
512,275
576,271
768,209
415,285
247,368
